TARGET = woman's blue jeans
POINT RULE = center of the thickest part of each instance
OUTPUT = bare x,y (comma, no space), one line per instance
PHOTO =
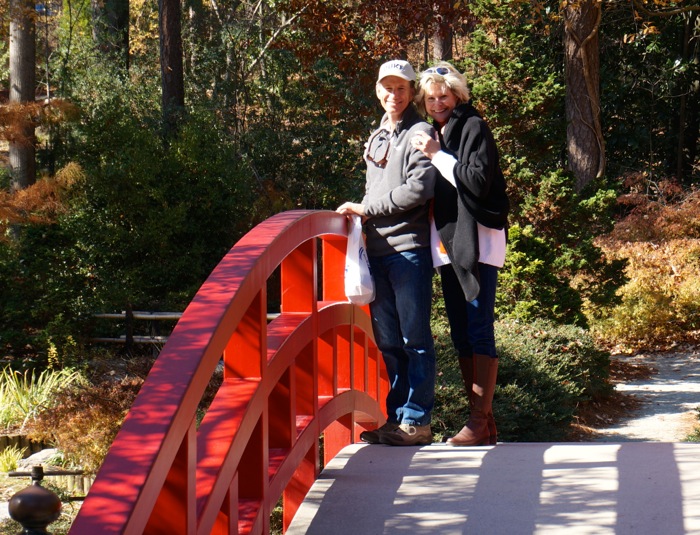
471,323
401,324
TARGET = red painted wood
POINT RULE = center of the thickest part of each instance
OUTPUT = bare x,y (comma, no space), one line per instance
314,370
333,281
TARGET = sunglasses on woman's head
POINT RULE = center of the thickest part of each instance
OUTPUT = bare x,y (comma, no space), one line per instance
442,71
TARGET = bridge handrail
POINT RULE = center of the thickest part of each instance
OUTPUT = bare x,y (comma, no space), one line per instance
313,370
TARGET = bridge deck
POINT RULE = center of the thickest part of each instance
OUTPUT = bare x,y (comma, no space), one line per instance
592,488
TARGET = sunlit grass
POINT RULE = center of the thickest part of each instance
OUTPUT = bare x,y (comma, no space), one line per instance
10,457
24,395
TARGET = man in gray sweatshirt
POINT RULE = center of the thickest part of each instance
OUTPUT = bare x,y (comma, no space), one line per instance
395,210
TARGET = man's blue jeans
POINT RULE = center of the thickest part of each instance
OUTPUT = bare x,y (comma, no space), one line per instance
471,323
401,324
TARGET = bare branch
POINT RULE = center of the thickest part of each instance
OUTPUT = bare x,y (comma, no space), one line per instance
284,25
640,5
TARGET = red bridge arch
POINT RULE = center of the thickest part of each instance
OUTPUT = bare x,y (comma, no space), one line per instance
313,370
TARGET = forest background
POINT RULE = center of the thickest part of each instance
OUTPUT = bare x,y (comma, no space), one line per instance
144,139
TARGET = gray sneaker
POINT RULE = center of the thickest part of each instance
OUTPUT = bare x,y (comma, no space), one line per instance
408,435
375,436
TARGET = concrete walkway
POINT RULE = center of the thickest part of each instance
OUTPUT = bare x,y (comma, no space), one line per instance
634,488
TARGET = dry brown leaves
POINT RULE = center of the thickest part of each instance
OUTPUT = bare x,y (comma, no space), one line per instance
602,413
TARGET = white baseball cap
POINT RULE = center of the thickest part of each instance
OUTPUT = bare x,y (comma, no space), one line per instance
397,67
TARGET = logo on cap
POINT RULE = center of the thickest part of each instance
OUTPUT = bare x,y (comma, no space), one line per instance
399,68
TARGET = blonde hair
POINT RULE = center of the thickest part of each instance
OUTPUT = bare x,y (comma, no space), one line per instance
452,80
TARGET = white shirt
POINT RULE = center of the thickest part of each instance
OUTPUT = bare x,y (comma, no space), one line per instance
492,242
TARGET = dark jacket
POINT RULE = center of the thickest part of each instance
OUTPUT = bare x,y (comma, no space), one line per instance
480,195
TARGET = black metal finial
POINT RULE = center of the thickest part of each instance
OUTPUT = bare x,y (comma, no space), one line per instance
35,507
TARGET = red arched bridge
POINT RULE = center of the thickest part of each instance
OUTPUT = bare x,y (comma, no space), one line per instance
313,370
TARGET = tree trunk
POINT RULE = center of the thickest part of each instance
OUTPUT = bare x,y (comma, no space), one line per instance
584,137
692,133
442,40
686,148
110,28
22,91
171,69
195,31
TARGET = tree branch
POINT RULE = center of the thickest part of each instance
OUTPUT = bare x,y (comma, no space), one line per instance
639,5
273,37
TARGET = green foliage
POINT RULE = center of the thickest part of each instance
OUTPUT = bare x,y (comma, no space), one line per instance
151,220
327,177
513,64
4,178
649,76
24,396
514,69
146,222
552,263
40,283
4,64
305,150
695,435
10,458
528,287
546,371
12,304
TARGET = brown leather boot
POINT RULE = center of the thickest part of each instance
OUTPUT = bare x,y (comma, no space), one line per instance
466,366
477,432
493,432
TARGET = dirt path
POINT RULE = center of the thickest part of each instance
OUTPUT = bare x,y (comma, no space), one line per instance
665,398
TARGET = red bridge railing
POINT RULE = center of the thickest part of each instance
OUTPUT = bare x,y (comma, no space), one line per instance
314,370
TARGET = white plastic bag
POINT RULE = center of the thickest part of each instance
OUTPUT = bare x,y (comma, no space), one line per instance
440,257
359,285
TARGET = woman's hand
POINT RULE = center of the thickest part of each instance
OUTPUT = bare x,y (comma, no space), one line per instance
424,143
351,208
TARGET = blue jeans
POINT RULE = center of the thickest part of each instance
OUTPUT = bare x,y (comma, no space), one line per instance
471,323
401,324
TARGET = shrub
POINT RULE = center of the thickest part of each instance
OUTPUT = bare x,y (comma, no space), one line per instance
658,306
695,435
553,264
88,416
546,371
141,223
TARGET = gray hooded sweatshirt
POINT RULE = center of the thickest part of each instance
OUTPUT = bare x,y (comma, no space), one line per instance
397,194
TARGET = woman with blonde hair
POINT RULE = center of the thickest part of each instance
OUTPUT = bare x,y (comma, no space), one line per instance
395,210
470,210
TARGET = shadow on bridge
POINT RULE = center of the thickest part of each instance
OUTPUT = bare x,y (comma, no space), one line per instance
628,488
